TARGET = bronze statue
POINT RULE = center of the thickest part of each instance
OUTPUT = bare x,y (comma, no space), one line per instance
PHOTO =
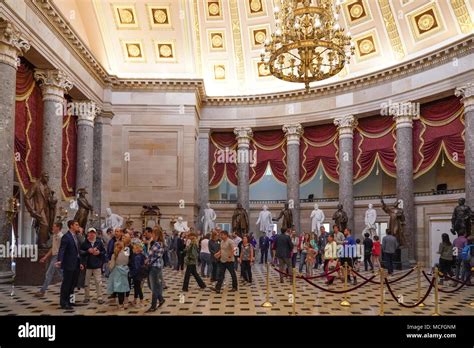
461,220
84,208
240,221
340,218
287,216
41,204
396,222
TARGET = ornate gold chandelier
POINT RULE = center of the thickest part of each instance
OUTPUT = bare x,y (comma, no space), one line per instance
308,44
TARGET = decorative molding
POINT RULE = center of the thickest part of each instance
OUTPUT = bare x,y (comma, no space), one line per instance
392,30
197,38
12,45
54,84
293,133
346,125
457,49
462,15
237,36
243,136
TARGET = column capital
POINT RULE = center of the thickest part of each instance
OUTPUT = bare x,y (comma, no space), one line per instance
346,125
86,112
204,132
12,45
466,92
54,84
243,135
404,113
293,133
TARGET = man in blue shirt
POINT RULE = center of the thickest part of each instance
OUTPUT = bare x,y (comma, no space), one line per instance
349,253
264,244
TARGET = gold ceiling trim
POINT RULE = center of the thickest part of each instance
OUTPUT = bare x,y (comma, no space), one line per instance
237,36
197,38
462,15
392,30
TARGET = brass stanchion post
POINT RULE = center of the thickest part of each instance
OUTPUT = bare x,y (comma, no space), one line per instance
382,300
345,302
294,291
418,285
436,295
267,303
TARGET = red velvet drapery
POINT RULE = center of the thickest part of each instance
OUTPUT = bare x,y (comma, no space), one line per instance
270,150
319,147
28,127
222,147
439,129
374,145
69,151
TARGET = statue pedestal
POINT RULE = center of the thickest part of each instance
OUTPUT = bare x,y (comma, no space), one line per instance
401,259
30,272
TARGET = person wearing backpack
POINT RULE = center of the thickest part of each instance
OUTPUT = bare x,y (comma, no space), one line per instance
445,252
190,260
468,260
459,243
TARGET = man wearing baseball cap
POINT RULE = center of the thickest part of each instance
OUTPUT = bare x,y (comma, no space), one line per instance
92,257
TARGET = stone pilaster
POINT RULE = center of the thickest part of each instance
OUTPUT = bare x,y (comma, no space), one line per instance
11,47
54,84
346,125
203,170
467,94
101,172
243,135
293,133
86,112
404,113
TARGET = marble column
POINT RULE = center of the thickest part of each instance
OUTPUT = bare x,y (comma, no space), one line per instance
293,134
54,84
404,113
243,135
86,112
101,159
11,47
203,168
346,125
467,94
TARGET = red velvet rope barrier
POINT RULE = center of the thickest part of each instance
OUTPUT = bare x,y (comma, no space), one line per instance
337,291
448,291
391,281
301,277
414,305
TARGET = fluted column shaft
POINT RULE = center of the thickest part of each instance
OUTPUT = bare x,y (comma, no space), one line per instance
86,112
243,135
54,84
293,134
11,47
346,125
467,94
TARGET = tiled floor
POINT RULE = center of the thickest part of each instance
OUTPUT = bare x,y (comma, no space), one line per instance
248,300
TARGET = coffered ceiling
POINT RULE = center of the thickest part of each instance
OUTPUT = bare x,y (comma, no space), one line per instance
220,40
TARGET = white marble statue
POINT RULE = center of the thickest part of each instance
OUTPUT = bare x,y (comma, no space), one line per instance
370,218
112,220
264,220
208,219
181,225
317,219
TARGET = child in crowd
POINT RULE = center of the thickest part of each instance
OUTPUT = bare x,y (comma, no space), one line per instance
376,252
137,273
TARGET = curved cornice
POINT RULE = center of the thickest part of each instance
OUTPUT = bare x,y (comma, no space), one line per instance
57,21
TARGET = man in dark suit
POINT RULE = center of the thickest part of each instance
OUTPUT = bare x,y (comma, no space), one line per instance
69,262
283,248
264,244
